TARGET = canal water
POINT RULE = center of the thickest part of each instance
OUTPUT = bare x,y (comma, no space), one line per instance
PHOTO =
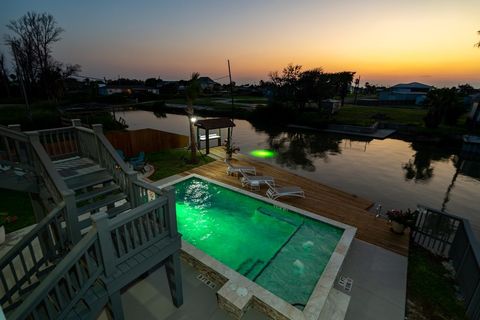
395,173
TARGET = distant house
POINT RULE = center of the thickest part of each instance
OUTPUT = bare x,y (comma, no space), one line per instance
107,90
206,83
413,92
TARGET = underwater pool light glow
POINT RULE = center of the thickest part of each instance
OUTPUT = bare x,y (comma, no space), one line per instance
263,153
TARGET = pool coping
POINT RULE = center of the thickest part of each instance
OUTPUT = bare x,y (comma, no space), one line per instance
238,293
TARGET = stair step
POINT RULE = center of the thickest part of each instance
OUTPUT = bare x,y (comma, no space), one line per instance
86,181
101,203
93,170
117,210
97,192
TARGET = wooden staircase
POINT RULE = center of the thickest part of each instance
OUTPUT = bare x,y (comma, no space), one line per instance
101,230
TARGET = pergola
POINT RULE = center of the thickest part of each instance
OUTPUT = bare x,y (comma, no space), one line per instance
213,124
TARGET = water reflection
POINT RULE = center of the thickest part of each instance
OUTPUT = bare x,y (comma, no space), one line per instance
296,149
419,168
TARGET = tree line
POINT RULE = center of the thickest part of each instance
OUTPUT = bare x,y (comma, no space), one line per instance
295,88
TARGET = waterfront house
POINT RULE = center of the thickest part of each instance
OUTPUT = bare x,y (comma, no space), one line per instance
405,93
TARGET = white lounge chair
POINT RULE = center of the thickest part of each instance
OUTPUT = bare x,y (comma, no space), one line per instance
276,192
254,182
231,169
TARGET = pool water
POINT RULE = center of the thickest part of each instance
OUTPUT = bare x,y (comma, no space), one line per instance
282,251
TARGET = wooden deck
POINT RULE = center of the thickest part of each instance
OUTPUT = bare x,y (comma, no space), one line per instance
320,199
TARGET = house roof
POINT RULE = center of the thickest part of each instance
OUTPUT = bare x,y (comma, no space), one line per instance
416,85
215,123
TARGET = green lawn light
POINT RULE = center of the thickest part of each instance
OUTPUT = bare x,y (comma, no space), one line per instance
263,153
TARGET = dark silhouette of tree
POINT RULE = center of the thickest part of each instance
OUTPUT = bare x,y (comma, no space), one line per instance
191,93
343,81
465,89
444,106
478,43
287,84
31,41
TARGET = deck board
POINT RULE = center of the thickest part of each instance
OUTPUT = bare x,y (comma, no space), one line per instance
319,199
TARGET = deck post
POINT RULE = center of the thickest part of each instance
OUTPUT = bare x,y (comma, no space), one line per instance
207,141
73,228
171,214
100,221
174,276
76,123
116,307
198,139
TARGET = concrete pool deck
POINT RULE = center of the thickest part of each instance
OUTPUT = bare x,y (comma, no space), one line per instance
378,291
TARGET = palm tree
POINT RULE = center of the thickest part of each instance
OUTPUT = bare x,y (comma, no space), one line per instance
192,91
478,43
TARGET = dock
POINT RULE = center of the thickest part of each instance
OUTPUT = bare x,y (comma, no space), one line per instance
319,199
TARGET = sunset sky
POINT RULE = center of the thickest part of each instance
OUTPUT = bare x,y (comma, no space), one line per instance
385,42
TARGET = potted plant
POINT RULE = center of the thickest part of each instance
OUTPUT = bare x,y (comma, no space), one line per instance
401,219
230,149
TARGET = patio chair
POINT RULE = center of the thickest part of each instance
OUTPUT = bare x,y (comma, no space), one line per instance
274,192
138,162
231,169
254,182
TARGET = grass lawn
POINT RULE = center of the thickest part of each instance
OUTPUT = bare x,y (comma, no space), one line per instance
16,203
432,293
361,115
173,161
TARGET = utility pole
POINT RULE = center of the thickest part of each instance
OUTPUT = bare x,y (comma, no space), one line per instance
229,138
20,75
231,84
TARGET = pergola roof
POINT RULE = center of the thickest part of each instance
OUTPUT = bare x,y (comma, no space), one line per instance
216,123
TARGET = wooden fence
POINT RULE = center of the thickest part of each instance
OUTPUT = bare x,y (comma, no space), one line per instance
146,140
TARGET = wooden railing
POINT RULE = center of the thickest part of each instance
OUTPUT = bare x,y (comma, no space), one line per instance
144,192
130,234
59,143
22,265
452,237
14,145
63,288
95,258
109,159
87,142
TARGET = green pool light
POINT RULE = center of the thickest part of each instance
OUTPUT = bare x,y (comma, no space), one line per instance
263,153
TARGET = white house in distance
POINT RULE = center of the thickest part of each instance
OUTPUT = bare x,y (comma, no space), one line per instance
413,92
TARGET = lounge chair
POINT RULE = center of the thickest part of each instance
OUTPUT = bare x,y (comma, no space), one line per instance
254,182
276,192
231,169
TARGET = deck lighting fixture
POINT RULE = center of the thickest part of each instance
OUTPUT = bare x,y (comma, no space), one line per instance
263,153
193,119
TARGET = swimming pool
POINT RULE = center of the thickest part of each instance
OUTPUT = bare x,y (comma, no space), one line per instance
282,251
